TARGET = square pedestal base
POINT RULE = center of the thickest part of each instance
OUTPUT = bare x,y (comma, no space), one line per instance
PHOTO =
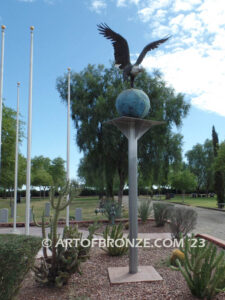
119,275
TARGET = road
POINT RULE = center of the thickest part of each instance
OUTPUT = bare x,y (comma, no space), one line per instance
209,221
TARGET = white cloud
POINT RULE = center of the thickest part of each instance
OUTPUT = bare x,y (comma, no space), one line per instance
121,3
189,72
98,5
185,5
212,14
145,14
193,61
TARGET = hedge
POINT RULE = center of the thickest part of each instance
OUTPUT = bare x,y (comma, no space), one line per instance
17,254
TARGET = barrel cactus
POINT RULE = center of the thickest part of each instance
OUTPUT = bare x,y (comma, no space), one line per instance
177,254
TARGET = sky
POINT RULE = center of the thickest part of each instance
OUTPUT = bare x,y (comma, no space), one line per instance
65,35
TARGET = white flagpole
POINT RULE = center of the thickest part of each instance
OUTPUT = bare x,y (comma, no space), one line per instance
68,147
27,228
16,160
1,86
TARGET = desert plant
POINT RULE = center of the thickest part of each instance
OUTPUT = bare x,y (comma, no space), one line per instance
117,244
112,210
182,221
65,259
203,269
126,226
144,210
161,212
177,254
17,255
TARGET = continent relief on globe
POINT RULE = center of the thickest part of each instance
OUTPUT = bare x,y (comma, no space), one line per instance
133,103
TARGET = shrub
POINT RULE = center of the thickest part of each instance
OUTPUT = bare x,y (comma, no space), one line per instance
204,268
116,233
182,221
161,212
126,225
144,210
112,210
17,254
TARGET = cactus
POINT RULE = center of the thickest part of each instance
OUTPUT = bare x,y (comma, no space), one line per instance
58,206
116,233
64,260
177,254
203,268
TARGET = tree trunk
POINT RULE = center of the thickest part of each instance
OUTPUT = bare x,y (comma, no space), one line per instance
10,191
183,193
109,181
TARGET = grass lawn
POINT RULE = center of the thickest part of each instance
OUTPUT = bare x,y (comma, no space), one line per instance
206,202
88,205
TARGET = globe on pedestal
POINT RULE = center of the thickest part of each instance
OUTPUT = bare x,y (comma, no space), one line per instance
133,103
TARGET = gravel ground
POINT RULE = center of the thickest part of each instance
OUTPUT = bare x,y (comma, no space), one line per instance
94,283
148,227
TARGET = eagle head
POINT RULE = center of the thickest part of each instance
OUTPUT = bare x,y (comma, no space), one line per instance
136,70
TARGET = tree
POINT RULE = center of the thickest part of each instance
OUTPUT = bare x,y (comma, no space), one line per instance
220,164
90,173
184,181
93,94
42,178
7,168
200,162
40,175
219,176
53,172
57,171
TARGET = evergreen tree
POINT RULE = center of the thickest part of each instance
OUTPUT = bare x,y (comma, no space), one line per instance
219,176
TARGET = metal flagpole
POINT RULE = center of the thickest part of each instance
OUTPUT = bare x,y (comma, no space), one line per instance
1,86
68,147
27,229
16,161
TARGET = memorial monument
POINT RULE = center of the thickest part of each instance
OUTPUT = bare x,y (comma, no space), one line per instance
132,105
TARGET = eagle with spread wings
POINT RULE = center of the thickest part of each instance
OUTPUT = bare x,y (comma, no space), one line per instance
122,54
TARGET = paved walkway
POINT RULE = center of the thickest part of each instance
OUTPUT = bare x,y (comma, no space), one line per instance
209,221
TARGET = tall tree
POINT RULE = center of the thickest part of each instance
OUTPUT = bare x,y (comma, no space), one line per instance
40,175
93,94
57,171
183,181
7,166
219,176
42,179
200,161
47,172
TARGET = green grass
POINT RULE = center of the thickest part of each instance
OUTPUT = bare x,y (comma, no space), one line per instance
205,202
88,205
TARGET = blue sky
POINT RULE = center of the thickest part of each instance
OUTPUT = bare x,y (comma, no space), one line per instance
65,35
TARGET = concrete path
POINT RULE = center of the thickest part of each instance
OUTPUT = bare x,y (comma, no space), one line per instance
36,231
209,221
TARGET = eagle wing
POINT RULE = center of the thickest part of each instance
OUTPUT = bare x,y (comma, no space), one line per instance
121,49
149,47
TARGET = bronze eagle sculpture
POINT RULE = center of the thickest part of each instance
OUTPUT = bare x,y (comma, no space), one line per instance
122,54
